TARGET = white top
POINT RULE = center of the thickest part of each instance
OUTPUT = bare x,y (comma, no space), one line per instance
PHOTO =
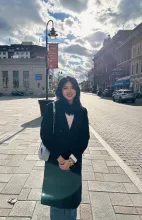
69,119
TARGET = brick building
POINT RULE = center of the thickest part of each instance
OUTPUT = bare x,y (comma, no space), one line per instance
136,60
105,61
129,55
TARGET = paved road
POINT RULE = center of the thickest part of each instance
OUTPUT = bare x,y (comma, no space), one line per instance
120,125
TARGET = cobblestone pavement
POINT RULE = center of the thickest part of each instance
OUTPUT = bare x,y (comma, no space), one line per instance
108,193
14,114
121,127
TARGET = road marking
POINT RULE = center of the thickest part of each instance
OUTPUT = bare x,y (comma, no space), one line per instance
120,162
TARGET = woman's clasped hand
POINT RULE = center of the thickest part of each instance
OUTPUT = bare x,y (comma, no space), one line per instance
64,164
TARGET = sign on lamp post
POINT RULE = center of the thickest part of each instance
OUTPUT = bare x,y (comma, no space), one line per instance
53,56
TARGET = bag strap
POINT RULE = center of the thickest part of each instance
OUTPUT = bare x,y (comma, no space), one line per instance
54,112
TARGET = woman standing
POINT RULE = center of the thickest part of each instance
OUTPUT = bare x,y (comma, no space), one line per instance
62,185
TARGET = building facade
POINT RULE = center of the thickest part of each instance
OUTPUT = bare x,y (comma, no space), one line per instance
23,50
27,75
119,63
105,62
128,55
23,68
136,62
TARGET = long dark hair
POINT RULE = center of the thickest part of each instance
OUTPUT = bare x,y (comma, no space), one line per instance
76,102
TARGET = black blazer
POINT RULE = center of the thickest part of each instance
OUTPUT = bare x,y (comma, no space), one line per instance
64,142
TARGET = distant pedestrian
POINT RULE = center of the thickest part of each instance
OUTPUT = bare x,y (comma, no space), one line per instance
43,90
62,185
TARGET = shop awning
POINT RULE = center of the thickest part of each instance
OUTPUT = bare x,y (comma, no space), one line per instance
122,82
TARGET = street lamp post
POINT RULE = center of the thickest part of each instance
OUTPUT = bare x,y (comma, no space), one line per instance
52,34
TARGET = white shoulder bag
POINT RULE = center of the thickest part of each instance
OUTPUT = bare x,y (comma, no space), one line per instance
43,152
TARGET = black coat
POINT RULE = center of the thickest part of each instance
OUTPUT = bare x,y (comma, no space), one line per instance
62,189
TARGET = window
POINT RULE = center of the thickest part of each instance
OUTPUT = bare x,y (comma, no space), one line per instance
129,54
22,53
26,79
141,48
17,53
5,79
137,68
132,69
15,79
138,50
137,86
134,51
4,53
128,92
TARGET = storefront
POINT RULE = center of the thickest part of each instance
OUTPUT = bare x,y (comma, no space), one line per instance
136,84
122,83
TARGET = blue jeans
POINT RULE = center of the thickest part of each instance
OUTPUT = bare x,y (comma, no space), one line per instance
63,214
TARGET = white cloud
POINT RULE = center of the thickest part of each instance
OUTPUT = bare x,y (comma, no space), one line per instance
76,49
63,59
96,38
119,12
69,65
128,10
69,21
75,5
73,8
75,60
20,19
67,26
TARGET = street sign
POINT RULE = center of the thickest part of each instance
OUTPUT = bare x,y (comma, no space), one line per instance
38,76
53,56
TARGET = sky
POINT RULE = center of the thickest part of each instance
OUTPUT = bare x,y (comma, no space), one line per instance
82,25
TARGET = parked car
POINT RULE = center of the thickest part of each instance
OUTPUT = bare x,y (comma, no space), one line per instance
138,95
107,93
99,92
17,93
124,95
114,93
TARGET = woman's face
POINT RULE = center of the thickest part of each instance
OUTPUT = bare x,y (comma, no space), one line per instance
69,92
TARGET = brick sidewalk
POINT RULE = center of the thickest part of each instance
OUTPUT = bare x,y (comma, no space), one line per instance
108,193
